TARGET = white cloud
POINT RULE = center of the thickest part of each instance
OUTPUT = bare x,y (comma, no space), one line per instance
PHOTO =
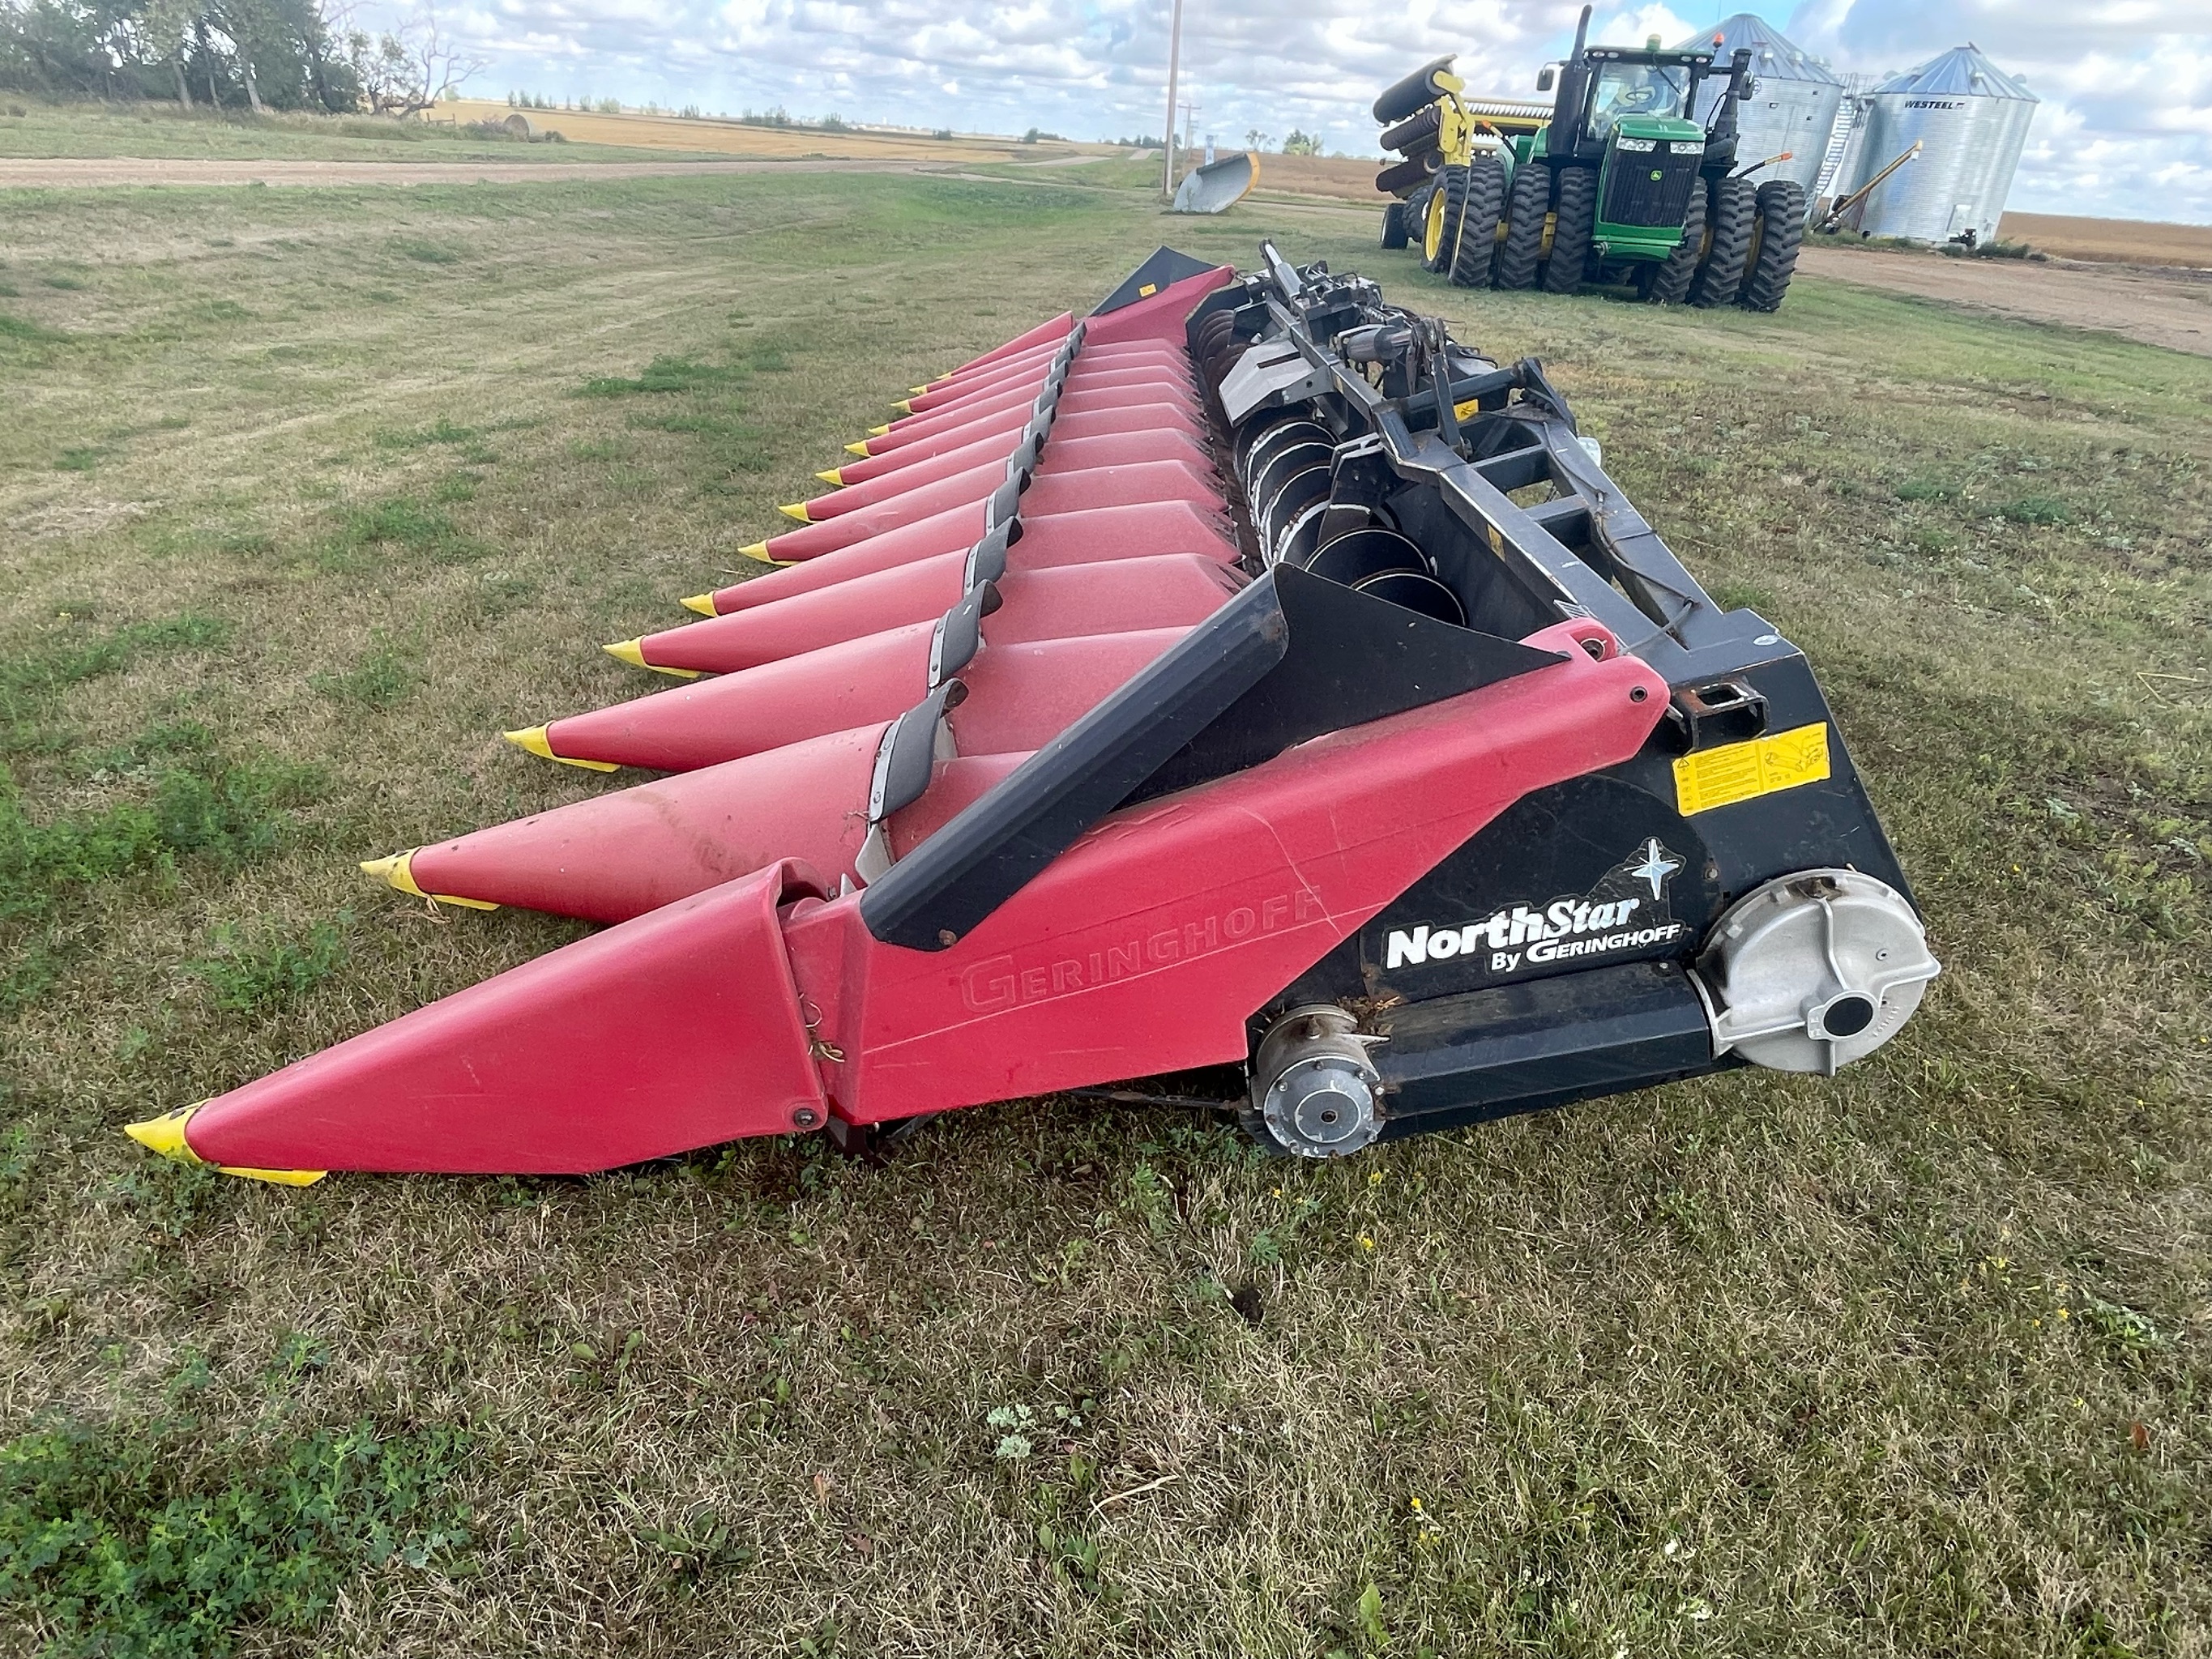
2125,127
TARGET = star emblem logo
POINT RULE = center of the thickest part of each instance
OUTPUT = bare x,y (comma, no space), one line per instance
1656,865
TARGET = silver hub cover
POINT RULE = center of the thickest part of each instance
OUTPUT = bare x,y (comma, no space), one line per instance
1813,971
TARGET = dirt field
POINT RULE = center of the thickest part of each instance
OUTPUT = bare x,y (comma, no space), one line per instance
2125,241
738,138
2176,314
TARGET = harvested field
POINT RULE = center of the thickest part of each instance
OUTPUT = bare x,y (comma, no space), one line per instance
309,493
2122,241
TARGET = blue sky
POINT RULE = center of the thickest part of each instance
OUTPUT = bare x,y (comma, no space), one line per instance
2124,129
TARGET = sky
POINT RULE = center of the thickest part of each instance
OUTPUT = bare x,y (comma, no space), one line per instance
2124,129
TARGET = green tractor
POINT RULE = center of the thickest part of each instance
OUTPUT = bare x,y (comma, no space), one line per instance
1621,184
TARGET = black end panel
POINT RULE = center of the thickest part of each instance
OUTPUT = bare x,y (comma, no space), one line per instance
988,852
1164,266
1519,1047
1291,657
1352,658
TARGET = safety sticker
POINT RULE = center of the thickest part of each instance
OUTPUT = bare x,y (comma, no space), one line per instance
1740,771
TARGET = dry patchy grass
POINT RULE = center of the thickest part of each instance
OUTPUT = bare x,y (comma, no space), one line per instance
311,493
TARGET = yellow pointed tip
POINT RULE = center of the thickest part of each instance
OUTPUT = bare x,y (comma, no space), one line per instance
835,477
626,651
536,741
860,448
905,406
795,510
916,391
757,550
166,1134
878,431
701,603
396,871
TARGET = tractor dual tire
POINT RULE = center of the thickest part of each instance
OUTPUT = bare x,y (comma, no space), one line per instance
1574,223
1440,223
1778,233
1668,281
1478,223
1735,211
1394,226
1526,205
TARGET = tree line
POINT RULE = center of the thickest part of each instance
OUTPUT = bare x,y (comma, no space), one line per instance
236,54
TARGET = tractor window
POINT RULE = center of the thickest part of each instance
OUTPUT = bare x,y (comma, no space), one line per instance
1635,89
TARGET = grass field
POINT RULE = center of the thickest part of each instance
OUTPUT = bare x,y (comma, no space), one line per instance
309,493
164,131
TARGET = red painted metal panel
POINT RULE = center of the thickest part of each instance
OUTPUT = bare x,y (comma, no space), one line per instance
681,1029
1041,362
620,855
1171,589
1049,333
1118,396
1159,316
1061,454
1004,425
1145,946
966,494
1020,696
1091,536
1085,376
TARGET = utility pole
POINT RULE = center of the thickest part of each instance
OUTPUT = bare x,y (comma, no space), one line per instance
1189,124
1175,61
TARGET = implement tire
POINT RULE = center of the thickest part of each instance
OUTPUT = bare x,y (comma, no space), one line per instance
1670,279
1574,224
1440,224
1478,223
1734,211
1781,232
1393,225
1526,204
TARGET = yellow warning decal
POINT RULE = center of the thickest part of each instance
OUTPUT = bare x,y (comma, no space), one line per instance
1738,771
1467,410
1148,290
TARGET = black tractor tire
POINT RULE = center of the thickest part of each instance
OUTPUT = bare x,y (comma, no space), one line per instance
1669,280
1735,208
1576,223
1526,204
1393,225
1440,224
1478,223
1781,233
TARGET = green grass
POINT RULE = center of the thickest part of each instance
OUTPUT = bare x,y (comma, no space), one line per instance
1911,1361
161,1539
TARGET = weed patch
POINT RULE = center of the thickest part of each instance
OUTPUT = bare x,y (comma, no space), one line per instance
266,971
38,667
386,675
423,252
151,1541
21,328
229,815
398,525
665,374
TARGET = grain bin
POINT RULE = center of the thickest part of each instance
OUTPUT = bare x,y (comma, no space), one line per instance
1794,107
1971,118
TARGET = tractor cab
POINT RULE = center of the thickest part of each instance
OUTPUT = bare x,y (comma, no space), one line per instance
1627,112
